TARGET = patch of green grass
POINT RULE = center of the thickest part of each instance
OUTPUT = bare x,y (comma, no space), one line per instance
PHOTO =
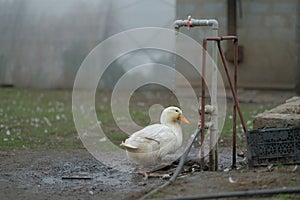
32,119
36,119
116,137
280,165
141,117
43,118
157,196
248,110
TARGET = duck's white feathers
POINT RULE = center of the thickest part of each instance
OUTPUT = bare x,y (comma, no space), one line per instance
152,143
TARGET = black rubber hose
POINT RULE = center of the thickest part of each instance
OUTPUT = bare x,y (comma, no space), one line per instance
178,168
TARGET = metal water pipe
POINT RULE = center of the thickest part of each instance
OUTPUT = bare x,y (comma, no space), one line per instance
190,22
213,156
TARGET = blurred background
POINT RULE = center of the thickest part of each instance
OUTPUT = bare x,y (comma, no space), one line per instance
43,42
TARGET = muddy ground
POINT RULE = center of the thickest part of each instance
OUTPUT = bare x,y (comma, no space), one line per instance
72,174
76,174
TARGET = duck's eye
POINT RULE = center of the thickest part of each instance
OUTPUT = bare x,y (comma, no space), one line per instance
176,110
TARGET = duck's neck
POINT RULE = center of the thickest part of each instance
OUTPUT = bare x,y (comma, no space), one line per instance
173,124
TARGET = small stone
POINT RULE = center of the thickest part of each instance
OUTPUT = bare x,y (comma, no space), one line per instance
142,183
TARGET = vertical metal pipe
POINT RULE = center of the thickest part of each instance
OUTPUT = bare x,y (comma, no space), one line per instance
203,85
214,117
190,22
234,106
231,17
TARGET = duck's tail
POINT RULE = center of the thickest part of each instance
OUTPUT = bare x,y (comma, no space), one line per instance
128,146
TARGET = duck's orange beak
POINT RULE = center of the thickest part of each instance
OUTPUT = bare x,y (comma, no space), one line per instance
182,118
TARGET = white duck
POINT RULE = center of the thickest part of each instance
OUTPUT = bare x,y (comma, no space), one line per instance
154,142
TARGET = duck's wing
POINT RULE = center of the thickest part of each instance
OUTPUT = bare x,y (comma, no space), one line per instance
158,132
152,138
166,137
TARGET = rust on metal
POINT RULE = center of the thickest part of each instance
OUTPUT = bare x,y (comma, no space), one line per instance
233,87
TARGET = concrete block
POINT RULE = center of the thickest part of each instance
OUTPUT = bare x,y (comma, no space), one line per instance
285,115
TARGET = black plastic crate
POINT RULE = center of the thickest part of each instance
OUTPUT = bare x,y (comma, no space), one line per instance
273,146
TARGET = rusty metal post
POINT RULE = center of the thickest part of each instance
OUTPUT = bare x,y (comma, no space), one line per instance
230,82
235,58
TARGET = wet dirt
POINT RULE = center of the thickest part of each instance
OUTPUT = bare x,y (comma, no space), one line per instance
50,174
53,174
75,174
207,183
